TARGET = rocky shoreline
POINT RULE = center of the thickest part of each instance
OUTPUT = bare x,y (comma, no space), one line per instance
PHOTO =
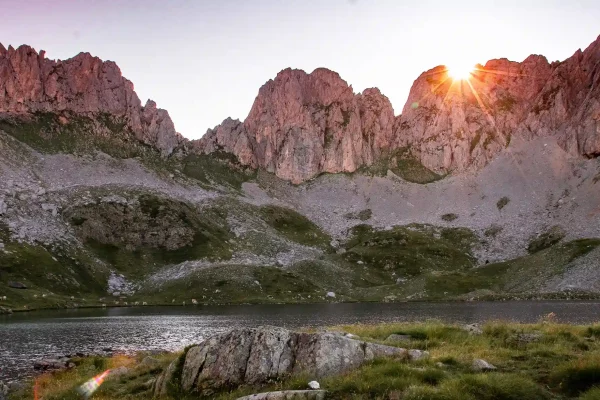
406,361
559,296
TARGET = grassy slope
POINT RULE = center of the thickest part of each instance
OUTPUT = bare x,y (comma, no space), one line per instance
403,164
109,134
407,262
563,362
52,276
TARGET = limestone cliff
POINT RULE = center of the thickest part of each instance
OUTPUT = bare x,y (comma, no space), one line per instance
304,124
455,125
83,84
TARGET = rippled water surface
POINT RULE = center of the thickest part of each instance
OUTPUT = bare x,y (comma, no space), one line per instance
27,337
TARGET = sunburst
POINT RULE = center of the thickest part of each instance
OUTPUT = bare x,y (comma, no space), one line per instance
460,71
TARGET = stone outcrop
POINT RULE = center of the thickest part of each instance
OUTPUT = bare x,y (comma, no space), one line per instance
29,82
304,124
255,356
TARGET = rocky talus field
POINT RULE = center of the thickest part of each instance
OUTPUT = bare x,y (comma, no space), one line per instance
481,189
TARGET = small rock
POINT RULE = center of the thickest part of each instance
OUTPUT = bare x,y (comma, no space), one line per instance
16,285
416,355
473,329
331,294
482,365
3,391
525,338
314,385
394,337
288,395
118,372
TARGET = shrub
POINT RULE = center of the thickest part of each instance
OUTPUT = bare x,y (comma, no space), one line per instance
546,239
502,202
498,386
449,217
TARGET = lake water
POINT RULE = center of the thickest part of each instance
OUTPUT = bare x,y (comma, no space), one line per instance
27,337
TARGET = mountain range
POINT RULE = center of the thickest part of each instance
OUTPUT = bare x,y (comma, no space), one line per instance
484,188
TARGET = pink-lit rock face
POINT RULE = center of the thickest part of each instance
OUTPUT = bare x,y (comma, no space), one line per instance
457,125
83,84
304,124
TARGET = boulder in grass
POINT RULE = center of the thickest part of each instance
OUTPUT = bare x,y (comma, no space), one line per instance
482,365
259,355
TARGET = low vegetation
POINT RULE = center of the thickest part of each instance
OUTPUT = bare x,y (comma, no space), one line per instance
404,164
542,361
70,133
503,202
363,215
449,217
547,239
294,226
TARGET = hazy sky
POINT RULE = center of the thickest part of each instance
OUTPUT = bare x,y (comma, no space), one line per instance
205,60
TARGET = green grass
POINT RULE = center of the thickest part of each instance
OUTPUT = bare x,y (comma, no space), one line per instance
577,376
547,239
103,132
52,276
403,164
217,168
152,232
238,284
294,226
592,394
555,367
411,250
522,274
44,132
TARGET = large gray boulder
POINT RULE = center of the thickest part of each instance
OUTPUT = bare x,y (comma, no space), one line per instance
258,355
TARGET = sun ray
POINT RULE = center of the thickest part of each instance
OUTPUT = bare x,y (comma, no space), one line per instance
434,89
498,134
497,72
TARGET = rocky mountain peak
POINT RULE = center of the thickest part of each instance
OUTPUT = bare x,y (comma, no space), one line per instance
83,84
301,125
304,124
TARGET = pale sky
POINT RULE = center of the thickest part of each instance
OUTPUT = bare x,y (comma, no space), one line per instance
205,60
